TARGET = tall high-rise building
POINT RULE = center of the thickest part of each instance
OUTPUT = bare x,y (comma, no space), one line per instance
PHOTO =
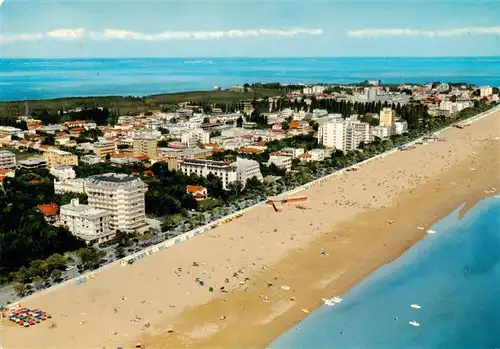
343,134
387,117
122,196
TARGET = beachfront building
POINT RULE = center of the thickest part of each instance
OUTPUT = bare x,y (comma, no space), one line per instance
33,163
63,172
400,127
54,157
7,159
381,132
387,117
87,223
247,169
221,169
145,145
103,148
122,196
343,135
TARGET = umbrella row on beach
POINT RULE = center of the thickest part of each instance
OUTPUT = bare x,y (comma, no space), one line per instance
28,317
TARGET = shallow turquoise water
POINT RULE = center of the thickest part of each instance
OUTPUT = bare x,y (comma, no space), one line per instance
454,275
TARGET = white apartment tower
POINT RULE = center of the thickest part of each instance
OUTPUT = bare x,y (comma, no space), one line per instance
343,135
122,196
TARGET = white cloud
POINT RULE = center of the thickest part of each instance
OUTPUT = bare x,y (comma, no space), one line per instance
66,33
120,34
176,35
376,33
20,37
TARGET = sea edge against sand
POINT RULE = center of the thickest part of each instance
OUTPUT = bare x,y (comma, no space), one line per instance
235,328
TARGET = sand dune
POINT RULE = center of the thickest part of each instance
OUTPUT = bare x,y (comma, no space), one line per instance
362,219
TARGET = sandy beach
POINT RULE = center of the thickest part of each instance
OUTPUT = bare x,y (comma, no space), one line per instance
267,269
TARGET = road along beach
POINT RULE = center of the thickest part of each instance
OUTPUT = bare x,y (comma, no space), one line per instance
351,224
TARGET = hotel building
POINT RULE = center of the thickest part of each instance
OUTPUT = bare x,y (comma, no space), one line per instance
122,196
85,222
240,170
343,135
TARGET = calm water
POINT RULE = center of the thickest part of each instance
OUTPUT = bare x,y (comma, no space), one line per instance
42,78
454,275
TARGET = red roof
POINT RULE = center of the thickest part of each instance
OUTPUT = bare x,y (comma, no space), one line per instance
199,196
148,173
194,188
142,157
2,177
77,129
49,209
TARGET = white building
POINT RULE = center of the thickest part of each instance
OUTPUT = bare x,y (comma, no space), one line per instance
62,172
247,169
87,223
453,107
319,113
221,169
32,163
121,195
281,162
317,154
76,185
343,135
292,152
90,159
318,89
7,159
485,91
400,127
192,137
381,132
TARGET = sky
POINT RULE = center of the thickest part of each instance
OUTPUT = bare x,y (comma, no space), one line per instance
271,28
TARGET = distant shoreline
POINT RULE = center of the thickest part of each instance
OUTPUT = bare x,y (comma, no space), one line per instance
53,78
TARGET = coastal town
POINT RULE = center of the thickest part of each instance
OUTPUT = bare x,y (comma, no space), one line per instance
109,189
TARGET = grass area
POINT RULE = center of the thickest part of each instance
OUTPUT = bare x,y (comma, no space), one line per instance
208,204
123,105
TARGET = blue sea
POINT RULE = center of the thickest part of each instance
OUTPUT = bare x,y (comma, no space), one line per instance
454,275
50,78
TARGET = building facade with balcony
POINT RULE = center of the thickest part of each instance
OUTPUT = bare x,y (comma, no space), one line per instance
121,195
87,223
221,169
7,159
